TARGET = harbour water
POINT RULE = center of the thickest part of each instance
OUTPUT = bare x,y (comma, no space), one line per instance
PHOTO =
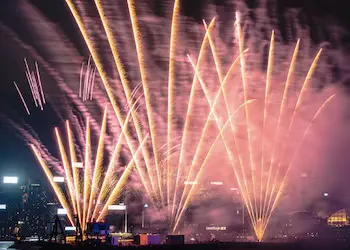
6,244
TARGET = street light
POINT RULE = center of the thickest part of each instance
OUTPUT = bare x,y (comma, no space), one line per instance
325,194
143,215
121,207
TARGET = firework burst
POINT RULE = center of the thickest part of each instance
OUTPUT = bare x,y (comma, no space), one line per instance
88,192
255,131
167,182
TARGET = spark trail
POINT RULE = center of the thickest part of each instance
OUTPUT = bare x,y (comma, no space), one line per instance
87,81
35,84
86,187
21,96
261,194
162,193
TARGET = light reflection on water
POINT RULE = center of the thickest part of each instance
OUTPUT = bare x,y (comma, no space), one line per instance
6,244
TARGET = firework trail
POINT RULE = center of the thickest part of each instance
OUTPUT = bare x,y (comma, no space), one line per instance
34,81
80,197
87,81
21,96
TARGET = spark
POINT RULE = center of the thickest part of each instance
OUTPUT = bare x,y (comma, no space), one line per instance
67,171
121,182
171,83
200,172
108,88
189,109
284,98
112,162
87,171
74,203
98,163
267,90
125,84
58,192
75,170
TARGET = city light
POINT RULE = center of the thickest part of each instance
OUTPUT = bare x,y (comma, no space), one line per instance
69,228
2,206
120,207
10,179
219,183
58,179
61,211
213,228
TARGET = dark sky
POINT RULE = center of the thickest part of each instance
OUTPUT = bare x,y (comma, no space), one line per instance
15,157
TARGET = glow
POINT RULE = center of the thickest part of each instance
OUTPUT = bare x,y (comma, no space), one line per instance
213,228
117,207
10,180
78,165
325,194
69,228
218,183
2,206
60,196
58,179
61,211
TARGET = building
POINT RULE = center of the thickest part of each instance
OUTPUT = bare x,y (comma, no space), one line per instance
339,219
10,214
35,213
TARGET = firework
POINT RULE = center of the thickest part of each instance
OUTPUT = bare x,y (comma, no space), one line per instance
36,88
165,193
34,81
21,96
264,163
170,169
80,195
87,81
258,193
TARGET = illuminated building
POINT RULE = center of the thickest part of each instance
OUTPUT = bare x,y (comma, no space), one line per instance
35,213
10,198
339,219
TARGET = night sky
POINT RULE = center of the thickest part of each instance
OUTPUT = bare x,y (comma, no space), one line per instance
15,157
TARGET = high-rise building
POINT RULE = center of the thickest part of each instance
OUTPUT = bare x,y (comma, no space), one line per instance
10,212
35,214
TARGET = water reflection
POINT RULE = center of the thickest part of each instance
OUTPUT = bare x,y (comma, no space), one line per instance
6,244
